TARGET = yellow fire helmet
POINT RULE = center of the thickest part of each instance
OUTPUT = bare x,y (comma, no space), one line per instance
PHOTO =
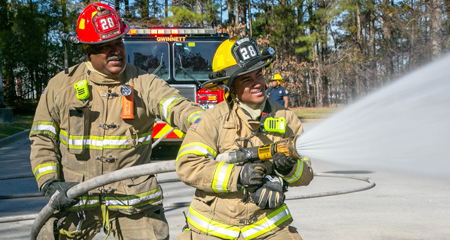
235,57
278,78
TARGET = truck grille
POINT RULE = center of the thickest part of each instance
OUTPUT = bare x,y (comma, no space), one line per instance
186,90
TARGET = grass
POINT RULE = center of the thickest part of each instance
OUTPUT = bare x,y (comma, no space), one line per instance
22,121
314,113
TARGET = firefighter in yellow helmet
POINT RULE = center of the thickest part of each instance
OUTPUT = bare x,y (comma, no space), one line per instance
278,93
82,130
245,200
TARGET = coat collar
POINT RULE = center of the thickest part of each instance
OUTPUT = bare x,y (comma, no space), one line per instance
100,78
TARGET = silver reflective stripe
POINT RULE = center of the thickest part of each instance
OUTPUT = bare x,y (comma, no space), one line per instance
220,181
86,203
52,168
297,174
198,149
63,137
99,143
166,104
193,117
132,202
110,142
209,227
266,224
44,128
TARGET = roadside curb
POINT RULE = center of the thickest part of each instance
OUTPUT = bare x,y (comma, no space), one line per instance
14,137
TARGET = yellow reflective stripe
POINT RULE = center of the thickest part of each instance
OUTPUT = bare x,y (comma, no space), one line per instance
196,148
221,230
134,201
211,227
45,168
99,143
297,174
126,202
268,223
166,104
221,177
43,127
193,117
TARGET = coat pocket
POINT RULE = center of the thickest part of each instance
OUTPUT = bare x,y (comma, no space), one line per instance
78,130
72,176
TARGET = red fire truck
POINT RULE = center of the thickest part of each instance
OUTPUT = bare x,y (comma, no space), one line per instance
182,57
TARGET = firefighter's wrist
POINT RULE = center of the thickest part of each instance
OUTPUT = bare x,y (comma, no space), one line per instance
46,184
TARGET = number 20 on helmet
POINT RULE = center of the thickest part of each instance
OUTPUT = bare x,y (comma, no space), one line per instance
99,23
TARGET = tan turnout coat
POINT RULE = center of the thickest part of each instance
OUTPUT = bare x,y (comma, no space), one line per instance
217,208
75,141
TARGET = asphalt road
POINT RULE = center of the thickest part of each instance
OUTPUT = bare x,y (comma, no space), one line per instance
401,206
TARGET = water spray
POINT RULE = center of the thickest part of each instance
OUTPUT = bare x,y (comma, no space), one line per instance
403,127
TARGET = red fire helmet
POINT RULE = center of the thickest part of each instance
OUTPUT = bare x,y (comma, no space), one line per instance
99,23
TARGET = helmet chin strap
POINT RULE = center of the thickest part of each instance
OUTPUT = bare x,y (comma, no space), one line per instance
230,98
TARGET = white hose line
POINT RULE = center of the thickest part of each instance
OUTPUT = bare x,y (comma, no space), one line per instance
153,168
83,187
162,137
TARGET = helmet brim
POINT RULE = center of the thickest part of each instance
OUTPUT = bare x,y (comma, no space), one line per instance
217,81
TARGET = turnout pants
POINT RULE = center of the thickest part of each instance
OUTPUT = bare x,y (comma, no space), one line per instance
149,224
287,233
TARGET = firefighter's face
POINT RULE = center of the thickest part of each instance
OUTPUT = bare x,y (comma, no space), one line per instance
274,84
250,88
108,58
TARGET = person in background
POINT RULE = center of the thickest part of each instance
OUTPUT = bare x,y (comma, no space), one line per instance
241,200
95,119
278,93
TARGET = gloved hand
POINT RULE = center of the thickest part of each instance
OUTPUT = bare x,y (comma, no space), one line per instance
271,194
283,164
56,194
252,174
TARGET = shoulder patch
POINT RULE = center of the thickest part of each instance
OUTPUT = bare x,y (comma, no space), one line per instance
195,124
286,91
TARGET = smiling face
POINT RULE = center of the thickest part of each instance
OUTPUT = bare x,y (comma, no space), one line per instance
250,88
108,58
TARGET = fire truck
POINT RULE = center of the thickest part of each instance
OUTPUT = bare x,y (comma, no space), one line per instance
182,57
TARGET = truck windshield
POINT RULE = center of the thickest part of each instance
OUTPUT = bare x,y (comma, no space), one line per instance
196,58
152,57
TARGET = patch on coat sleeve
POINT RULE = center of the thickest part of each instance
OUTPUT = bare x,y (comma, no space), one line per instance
286,91
195,124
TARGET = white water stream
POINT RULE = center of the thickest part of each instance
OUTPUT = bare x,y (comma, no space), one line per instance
404,126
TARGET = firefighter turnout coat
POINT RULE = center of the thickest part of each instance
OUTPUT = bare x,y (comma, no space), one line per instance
217,208
75,140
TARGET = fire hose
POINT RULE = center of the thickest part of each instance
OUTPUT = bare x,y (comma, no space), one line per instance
162,167
265,152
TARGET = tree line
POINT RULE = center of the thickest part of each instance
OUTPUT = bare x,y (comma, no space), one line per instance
329,52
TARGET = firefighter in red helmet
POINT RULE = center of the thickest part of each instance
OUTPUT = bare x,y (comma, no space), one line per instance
83,129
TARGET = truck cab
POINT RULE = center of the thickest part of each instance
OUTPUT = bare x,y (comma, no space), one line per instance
182,57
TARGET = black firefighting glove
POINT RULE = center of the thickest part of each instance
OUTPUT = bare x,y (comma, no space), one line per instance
283,164
56,194
271,194
252,174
